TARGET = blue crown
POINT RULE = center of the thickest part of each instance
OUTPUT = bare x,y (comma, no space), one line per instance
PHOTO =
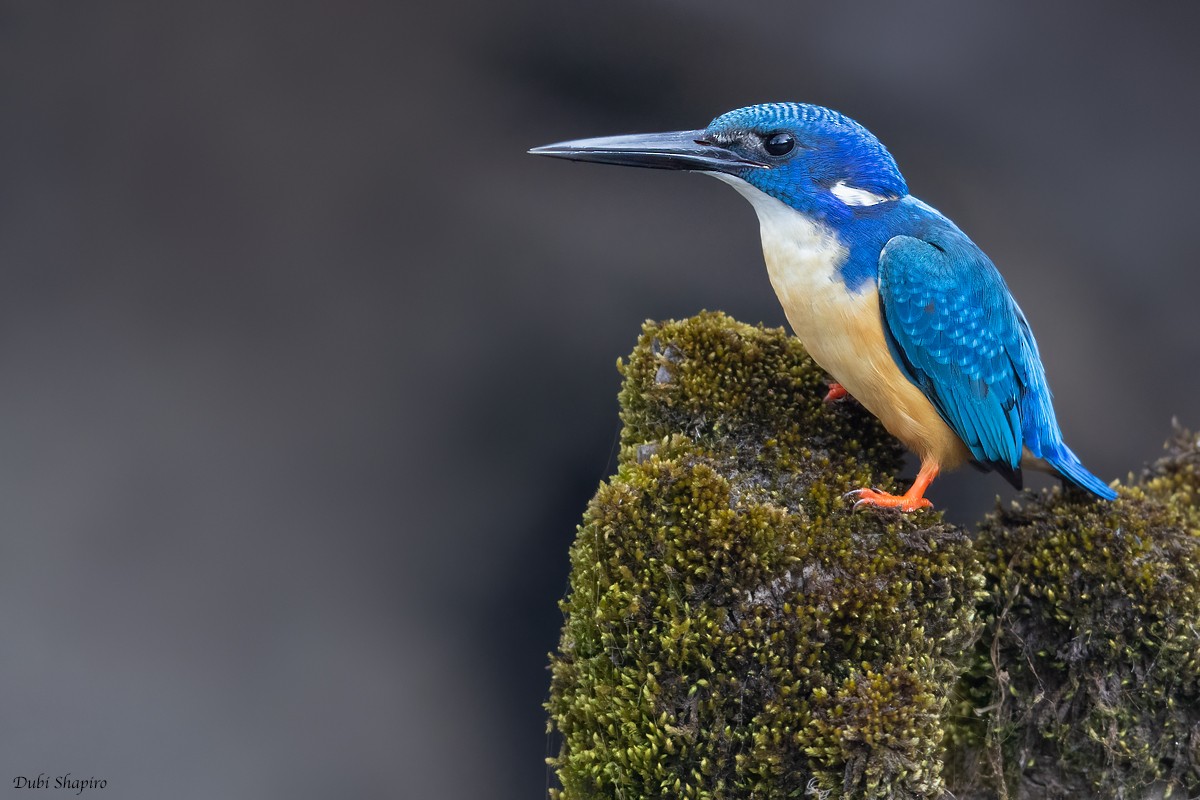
834,148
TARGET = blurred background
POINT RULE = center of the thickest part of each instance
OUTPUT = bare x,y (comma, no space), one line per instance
308,370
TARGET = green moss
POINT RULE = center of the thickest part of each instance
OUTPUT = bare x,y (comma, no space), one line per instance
1090,666
732,629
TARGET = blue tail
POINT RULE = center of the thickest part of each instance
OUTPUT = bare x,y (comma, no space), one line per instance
1068,465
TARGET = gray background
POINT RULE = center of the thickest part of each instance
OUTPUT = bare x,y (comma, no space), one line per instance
308,370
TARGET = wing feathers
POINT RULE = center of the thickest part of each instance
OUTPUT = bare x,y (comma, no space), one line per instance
948,314
957,334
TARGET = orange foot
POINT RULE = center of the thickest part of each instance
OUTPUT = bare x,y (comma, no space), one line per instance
912,500
877,499
836,392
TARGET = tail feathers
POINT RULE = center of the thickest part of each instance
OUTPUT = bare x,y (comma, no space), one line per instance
1069,466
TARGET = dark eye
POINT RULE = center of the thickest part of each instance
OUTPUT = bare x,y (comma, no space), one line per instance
779,144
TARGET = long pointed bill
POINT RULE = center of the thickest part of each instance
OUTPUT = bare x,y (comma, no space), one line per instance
676,150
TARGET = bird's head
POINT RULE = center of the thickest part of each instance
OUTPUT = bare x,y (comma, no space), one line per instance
816,160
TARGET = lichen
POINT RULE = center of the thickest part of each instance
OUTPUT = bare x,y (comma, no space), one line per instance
1089,669
733,630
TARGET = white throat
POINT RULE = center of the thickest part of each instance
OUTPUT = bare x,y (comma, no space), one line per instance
803,256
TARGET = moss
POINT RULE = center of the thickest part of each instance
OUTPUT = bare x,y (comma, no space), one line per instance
1090,665
732,629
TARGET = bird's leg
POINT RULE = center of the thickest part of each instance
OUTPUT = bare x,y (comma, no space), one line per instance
836,392
911,500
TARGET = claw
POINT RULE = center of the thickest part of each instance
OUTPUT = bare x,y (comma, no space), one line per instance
912,500
874,498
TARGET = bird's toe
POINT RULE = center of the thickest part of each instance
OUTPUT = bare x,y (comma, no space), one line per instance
873,498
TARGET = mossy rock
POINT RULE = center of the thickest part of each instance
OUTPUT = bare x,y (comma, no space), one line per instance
1090,665
732,629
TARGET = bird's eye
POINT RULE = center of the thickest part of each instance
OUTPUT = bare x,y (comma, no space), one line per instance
779,144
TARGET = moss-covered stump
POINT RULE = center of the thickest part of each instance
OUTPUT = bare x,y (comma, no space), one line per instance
1090,666
732,629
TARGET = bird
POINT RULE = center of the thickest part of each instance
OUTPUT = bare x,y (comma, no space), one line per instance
887,295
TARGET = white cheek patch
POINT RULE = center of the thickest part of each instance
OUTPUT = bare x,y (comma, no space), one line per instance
853,196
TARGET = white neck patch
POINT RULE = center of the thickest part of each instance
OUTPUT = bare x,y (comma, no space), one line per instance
803,255
853,196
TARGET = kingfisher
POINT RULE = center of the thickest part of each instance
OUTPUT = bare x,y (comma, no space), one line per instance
888,296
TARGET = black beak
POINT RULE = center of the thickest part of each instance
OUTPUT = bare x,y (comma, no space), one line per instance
676,150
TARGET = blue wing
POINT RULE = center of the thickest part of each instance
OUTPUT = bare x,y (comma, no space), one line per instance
958,335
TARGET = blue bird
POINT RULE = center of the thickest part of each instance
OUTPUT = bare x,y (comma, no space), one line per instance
887,295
